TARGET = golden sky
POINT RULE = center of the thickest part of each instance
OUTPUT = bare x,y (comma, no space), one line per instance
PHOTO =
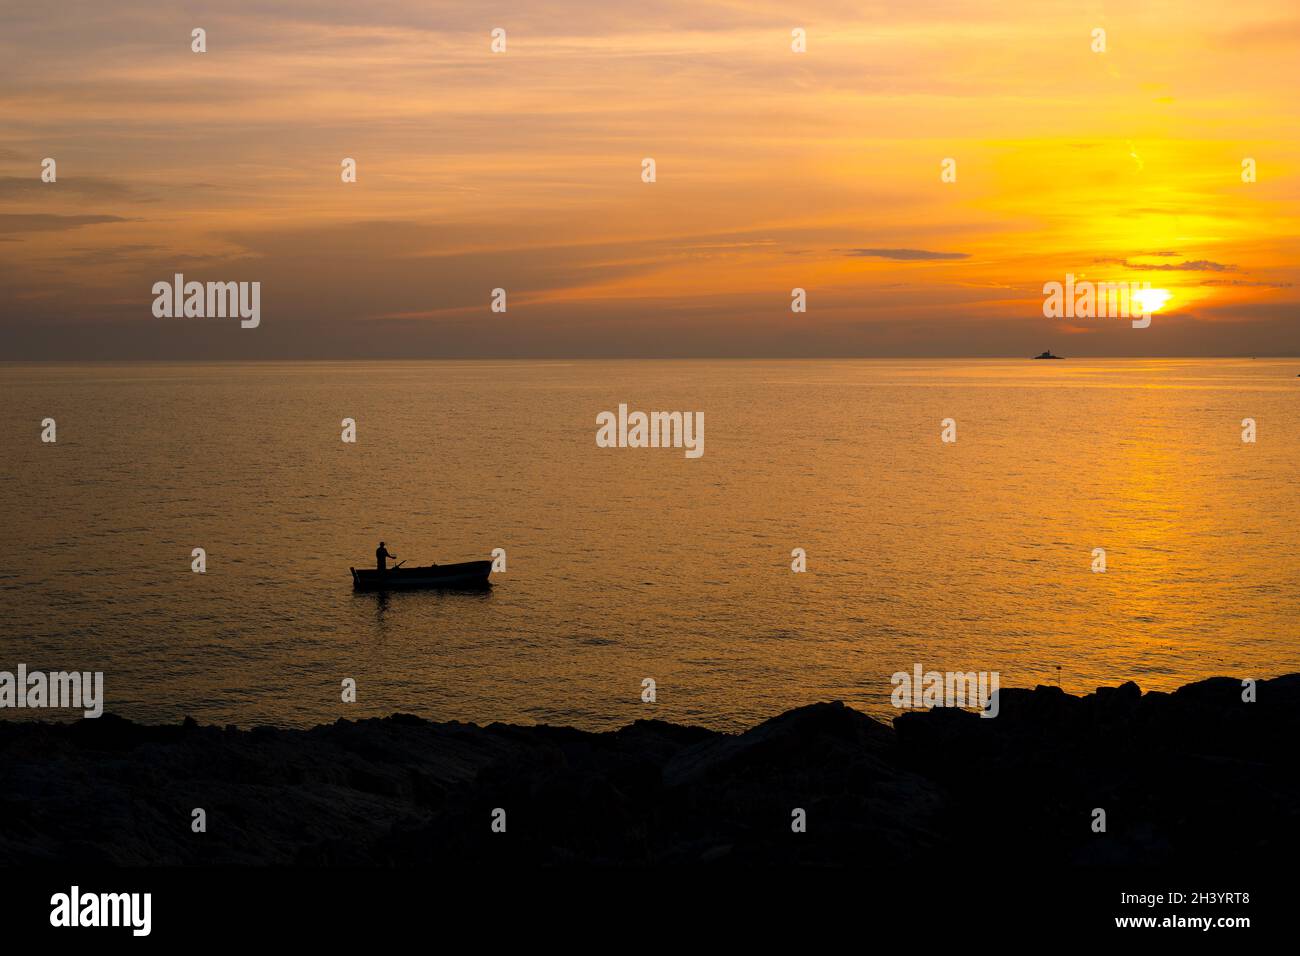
522,170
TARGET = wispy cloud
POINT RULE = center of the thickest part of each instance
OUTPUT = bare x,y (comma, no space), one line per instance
31,187
1195,265
1246,284
18,223
907,255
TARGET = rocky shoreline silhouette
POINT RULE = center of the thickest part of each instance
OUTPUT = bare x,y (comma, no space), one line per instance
1193,776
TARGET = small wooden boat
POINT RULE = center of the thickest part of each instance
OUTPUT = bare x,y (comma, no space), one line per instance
469,574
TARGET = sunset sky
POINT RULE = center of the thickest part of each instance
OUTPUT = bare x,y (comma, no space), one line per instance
522,170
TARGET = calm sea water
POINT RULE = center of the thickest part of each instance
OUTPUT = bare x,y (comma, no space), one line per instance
625,564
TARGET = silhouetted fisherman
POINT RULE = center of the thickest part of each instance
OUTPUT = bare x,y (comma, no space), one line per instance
381,558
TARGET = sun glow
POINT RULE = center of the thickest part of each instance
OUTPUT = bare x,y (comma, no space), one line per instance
1151,300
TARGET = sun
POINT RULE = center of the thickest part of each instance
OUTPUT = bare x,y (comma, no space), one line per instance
1151,300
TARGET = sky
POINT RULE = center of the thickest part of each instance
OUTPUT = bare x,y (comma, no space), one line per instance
522,170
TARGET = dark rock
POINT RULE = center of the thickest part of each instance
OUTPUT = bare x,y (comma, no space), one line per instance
1197,775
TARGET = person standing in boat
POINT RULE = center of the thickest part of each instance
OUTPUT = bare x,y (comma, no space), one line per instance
381,558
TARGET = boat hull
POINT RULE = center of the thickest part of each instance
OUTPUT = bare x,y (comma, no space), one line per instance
469,574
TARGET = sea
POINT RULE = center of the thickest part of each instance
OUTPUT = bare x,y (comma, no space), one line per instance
643,582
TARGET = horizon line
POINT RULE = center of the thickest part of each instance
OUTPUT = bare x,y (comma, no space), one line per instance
631,358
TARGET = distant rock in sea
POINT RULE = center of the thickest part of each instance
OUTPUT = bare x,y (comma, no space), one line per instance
1194,775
